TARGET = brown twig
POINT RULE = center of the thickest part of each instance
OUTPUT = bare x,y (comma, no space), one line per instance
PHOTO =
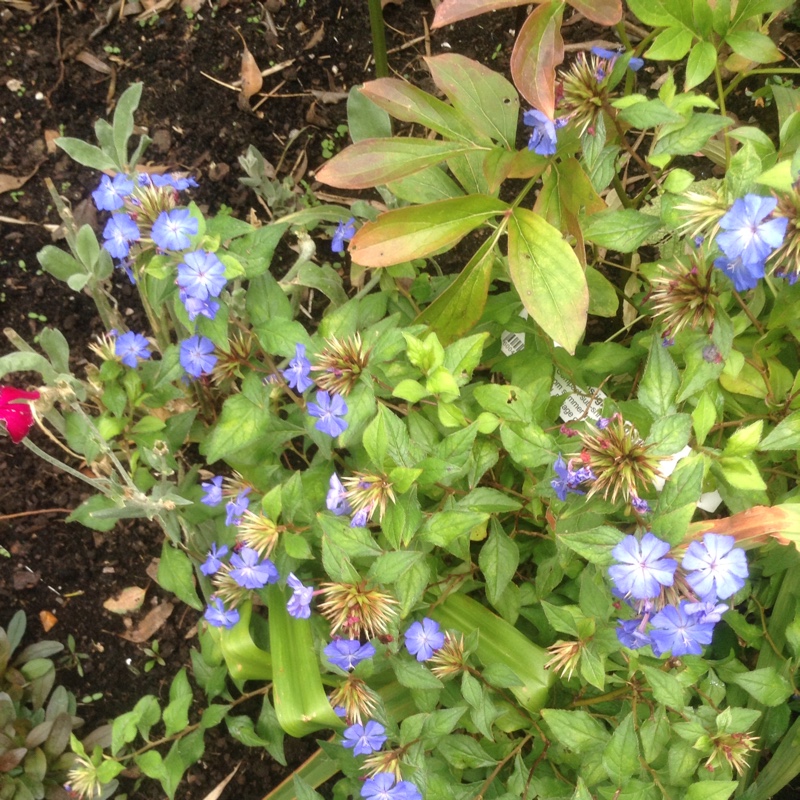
40,511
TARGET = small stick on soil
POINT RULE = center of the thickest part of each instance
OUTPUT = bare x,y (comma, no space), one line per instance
40,511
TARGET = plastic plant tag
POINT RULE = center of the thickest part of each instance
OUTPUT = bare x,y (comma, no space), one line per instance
578,405
709,501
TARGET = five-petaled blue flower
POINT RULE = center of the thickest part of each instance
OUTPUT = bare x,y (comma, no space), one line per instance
213,561
249,572
677,630
201,275
643,569
344,232
111,193
172,229
177,182
213,491
195,307
364,739
746,231
384,786
630,633
299,605
715,568
235,507
217,616
543,137
744,276
197,356
329,408
296,374
336,499
567,480
119,232
131,348
424,638
348,653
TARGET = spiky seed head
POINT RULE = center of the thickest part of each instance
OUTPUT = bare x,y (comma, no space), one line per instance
340,364
700,213
683,296
242,347
357,610
732,748
366,490
356,698
449,661
583,91
258,532
785,260
384,761
226,588
83,780
565,657
105,347
620,459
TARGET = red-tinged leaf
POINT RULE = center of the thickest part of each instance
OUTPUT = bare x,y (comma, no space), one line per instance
603,12
372,162
456,310
548,276
539,49
450,11
496,167
418,231
410,104
527,164
484,97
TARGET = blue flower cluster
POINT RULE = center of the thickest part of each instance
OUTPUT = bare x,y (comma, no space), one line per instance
711,570
749,236
568,479
384,786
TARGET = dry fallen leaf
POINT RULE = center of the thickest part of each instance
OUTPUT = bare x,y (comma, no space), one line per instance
48,620
150,624
8,183
251,75
50,137
316,38
216,792
129,599
24,579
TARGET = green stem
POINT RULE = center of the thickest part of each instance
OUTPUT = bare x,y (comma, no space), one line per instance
99,484
739,78
723,112
378,39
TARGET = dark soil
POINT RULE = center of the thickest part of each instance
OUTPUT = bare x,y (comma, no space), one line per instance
63,65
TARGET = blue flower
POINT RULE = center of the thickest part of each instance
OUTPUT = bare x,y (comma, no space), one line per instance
329,409
119,232
197,356
111,193
677,630
344,232
195,307
336,499
643,570
634,64
213,561
707,611
217,616
364,739
213,491
568,480
297,372
744,276
715,568
639,506
348,653
747,233
175,181
172,229
543,137
299,605
249,572
131,347
424,638
236,507
201,275
382,786
361,517
631,635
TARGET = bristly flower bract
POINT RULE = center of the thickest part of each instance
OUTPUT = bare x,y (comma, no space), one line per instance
340,364
449,660
357,610
356,698
258,532
620,460
366,492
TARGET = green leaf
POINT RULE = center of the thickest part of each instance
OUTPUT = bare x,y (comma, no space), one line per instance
482,96
387,436
241,423
59,263
372,162
281,336
621,756
660,382
576,730
624,230
445,527
691,137
767,685
548,276
594,545
785,436
303,790
463,752
670,45
176,575
123,120
603,298
414,675
87,154
667,689
418,231
700,64
753,46
498,560
646,113
508,402
669,434
427,186
176,714
744,440
739,473
710,790
389,567
364,119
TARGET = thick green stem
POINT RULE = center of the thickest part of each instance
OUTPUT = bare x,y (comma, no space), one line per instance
378,39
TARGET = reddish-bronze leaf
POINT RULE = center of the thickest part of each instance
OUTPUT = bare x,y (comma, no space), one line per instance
450,11
603,12
539,49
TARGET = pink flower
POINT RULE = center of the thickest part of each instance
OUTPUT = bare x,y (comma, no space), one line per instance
17,417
